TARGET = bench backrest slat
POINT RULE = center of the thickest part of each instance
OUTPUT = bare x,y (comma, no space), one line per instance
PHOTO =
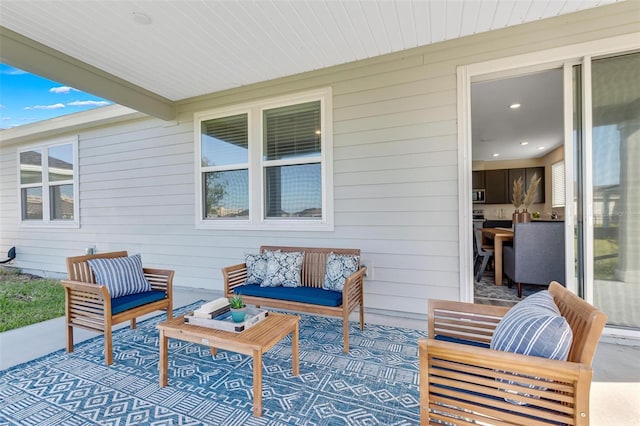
315,261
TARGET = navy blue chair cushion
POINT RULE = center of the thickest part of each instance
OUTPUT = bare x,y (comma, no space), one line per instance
461,341
311,295
124,303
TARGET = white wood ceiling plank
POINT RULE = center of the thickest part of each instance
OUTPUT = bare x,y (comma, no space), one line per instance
362,27
503,13
277,39
376,24
554,8
519,13
438,17
329,33
392,25
422,22
306,27
453,23
344,21
406,13
536,10
470,13
485,15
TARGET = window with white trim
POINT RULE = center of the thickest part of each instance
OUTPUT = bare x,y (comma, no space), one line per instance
557,184
266,165
48,179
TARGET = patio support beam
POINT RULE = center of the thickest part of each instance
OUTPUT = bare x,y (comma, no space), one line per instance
34,57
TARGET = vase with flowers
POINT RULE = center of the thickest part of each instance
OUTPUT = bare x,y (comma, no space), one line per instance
518,197
529,197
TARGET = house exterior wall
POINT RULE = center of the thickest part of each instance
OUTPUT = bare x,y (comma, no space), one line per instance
395,171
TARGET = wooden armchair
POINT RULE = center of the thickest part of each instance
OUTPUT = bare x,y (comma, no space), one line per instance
89,306
458,382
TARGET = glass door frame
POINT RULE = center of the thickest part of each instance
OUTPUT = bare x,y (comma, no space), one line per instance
561,57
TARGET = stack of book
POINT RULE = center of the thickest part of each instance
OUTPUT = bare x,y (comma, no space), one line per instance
213,309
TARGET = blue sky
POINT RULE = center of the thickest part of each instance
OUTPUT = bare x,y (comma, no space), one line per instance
26,98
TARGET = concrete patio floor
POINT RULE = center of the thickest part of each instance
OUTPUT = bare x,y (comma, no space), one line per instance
615,391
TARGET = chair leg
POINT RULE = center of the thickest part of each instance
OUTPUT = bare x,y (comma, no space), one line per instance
69,338
133,323
345,332
108,346
485,261
519,290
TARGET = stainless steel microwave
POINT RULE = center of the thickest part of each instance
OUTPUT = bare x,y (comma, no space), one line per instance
478,196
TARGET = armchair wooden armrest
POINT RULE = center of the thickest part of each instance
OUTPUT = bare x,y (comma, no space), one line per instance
492,387
460,320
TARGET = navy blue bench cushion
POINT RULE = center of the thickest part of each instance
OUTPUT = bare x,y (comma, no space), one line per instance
311,295
124,303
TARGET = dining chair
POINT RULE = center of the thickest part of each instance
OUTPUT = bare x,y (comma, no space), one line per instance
484,255
537,255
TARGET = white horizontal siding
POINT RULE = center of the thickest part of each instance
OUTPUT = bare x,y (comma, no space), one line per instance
395,172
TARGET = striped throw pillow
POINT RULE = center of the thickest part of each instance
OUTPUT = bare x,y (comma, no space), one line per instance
121,275
533,327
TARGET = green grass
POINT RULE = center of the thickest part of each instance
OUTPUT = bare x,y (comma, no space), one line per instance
26,299
604,269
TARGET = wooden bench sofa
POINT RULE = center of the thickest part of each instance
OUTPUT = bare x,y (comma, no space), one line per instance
312,278
90,306
471,383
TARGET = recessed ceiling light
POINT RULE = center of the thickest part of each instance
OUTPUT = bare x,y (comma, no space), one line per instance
141,18
541,148
524,143
514,106
496,155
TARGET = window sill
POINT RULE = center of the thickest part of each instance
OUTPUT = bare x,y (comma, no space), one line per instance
49,225
270,225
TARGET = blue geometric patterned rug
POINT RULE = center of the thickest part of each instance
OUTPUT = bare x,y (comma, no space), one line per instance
376,383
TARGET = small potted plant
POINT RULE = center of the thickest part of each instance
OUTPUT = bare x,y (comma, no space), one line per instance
238,308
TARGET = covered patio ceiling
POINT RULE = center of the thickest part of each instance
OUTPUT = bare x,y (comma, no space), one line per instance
147,55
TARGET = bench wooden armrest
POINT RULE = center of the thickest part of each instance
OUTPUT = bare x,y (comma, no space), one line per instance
465,379
234,276
352,292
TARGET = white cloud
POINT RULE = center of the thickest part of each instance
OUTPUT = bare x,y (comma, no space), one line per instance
2,106
13,71
62,90
87,103
46,107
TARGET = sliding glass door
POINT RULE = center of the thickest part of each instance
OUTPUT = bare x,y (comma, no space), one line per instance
607,185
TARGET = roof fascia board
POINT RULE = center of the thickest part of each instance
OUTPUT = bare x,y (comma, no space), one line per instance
68,123
32,56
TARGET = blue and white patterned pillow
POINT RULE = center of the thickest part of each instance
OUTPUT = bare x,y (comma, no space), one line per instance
283,269
257,266
339,267
533,327
121,275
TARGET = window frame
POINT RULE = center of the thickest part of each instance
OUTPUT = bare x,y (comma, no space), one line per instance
46,184
257,165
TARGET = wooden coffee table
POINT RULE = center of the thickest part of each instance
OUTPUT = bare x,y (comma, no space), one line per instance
254,342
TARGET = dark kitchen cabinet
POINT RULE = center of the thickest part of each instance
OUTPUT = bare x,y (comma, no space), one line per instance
496,186
477,179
